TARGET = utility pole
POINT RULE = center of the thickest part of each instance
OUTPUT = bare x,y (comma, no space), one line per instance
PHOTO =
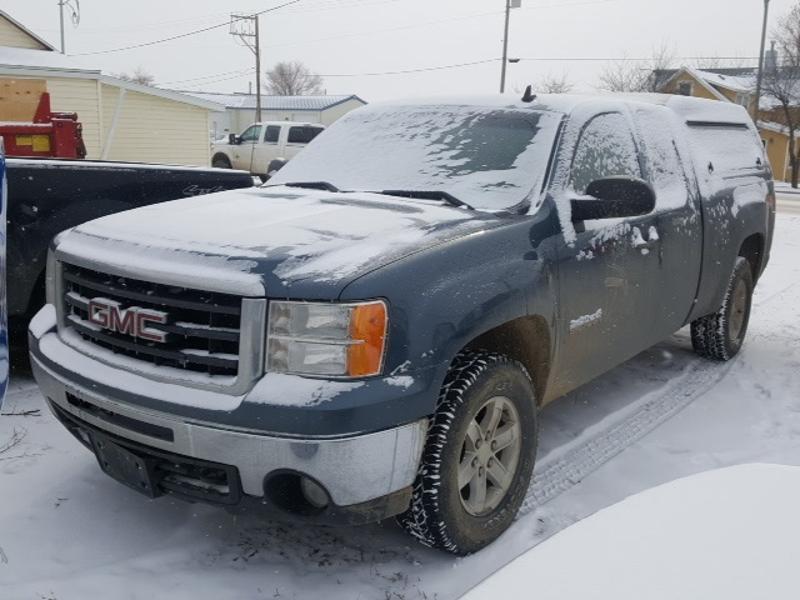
760,77
75,15
258,72
245,27
509,5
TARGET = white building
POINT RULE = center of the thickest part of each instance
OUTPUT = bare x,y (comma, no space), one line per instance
240,109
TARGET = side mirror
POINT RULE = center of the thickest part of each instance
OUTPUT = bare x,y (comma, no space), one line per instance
233,139
613,198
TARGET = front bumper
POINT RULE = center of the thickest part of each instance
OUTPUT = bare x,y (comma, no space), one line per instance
353,470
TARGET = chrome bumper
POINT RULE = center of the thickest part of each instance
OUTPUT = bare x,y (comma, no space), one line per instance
353,469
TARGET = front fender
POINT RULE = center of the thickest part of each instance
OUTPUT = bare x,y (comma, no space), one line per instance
443,298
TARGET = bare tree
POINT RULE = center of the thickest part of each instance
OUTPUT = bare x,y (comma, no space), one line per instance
637,75
293,79
781,84
715,62
139,76
554,84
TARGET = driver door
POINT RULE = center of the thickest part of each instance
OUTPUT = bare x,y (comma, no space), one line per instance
242,153
606,271
266,151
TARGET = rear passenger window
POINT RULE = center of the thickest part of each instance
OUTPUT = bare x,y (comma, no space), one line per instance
272,135
605,149
665,169
726,149
303,135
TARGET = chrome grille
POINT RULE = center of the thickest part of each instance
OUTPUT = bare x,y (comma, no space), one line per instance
202,331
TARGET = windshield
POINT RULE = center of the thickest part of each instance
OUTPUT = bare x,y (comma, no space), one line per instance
489,158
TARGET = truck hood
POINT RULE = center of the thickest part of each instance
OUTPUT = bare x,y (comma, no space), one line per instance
275,241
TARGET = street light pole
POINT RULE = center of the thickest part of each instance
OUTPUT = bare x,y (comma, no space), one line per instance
61,20
505,49
760,77
75,13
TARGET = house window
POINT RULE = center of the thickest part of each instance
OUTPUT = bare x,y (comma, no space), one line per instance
685,88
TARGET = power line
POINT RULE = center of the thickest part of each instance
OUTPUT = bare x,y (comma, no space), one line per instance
419,70
182,35
215,76
343,36
428,23
230,75
489,60
627,59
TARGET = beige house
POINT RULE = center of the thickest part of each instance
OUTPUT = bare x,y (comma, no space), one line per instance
121,120
15,35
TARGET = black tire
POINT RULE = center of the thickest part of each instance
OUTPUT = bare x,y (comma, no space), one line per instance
220,161
437,515
720,336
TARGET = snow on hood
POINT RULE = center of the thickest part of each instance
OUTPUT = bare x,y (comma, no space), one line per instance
283,235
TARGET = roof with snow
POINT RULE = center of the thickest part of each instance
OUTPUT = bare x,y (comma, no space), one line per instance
293,103
42,60
737,83
44,63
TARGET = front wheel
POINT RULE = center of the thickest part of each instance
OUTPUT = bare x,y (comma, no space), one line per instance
220,161
720,336
479,455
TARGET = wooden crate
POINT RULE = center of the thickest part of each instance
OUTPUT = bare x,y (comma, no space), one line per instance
19,98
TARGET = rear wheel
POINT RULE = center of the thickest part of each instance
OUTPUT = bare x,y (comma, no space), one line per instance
479,455
720,336
220,161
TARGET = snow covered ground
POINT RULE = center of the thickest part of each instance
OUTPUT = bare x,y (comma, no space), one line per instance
69,532
645,536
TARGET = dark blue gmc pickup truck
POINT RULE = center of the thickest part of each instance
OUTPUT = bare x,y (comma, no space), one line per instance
371,334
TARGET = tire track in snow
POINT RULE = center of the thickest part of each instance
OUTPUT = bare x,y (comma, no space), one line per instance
554,476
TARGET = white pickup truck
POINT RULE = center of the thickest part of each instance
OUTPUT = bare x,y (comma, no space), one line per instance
264,147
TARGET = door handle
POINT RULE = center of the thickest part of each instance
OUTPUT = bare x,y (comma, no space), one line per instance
645,243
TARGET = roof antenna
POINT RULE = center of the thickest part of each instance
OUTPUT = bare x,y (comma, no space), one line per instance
529,96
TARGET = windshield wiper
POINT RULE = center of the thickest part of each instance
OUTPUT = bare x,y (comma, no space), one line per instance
313,185
429,195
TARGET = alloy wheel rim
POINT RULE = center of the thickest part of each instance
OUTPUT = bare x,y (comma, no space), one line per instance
738,310
489,456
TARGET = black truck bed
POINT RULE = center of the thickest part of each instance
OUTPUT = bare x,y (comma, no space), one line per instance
48,196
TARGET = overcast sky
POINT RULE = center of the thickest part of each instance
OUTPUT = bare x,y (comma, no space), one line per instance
335,37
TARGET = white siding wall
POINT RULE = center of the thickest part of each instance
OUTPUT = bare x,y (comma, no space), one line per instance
153,129
236,120
14,37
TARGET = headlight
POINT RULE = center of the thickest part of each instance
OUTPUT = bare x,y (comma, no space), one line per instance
50,270
338,340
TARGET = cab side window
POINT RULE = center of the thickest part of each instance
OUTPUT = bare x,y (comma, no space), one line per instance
251,134
727,149
665,169
272,134
605,149
303,135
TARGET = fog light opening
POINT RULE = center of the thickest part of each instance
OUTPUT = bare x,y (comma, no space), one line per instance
314,493
296,493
